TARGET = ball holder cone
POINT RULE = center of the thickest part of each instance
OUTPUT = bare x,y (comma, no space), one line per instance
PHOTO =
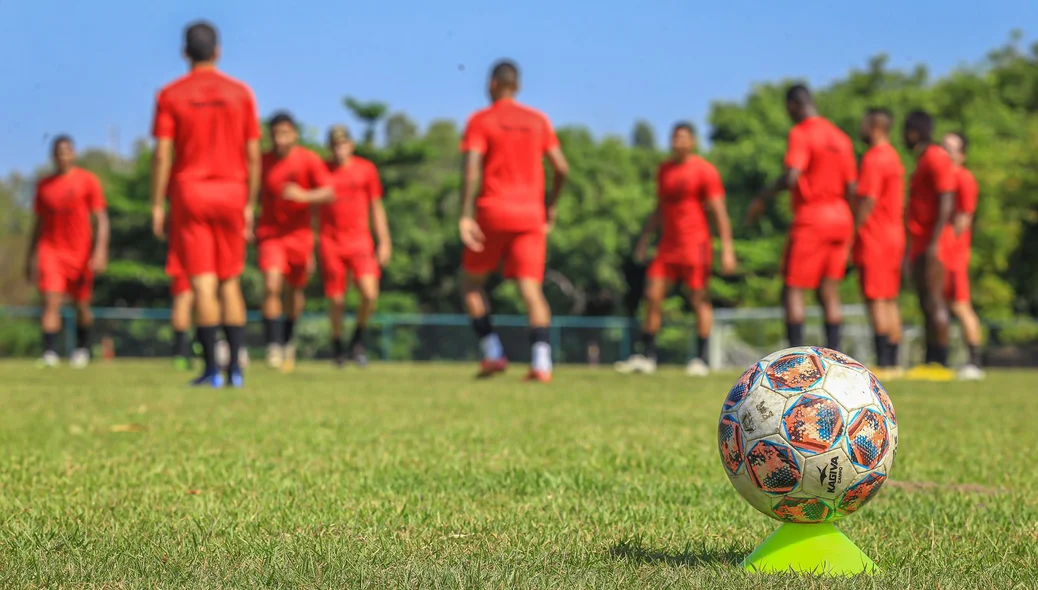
819,549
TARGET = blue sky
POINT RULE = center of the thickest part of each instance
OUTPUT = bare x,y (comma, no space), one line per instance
86,67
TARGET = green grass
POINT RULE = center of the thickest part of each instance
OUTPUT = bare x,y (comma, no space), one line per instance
419,477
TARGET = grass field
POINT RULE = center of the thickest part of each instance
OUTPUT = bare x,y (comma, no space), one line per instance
419,477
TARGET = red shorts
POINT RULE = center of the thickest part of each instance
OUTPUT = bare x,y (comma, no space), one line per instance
336,267
290,255
957,283
694,276
812,256
179,283
209,221
879,269
523,255
58,274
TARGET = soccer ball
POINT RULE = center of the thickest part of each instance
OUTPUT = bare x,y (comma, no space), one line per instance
807,435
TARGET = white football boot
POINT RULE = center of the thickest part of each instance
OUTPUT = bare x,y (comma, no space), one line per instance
971,373
697,368
79,359
49,359
275,356
636,363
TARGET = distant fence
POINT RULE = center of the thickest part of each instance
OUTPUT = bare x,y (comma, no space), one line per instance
740,336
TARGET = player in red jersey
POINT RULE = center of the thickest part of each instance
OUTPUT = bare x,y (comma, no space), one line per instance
931,203
208,121
65,252
820,173
689,188
879,221
348,252
180,311
957,282
510,221
293,178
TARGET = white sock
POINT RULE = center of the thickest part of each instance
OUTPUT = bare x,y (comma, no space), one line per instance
540,357
491,347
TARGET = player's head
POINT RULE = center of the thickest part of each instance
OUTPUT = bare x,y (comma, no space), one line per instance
340,142
918,129
504,80
283,132
201,43
956,144
63,151
799,102
875,125
682,139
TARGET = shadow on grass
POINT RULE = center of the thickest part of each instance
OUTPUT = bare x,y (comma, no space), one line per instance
634,551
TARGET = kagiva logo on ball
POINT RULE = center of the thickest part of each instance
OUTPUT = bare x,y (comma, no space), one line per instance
807,435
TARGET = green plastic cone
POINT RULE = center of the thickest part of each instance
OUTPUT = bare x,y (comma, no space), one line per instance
819,549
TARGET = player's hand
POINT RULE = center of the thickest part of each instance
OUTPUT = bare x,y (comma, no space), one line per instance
293,192
384,253
551,215
30,269
758,206
250,219
728,262
641,251
311,265
99,262
471,235
961,223
158,222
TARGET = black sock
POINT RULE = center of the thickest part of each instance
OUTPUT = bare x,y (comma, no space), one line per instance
940,355
358,336
235,340
882,344
83,337
649,345
290,329
894,354
180,344
273,331
540,334
974,355
703,348
832,336
337,347
207,337
49,341
929,353
795,334
482,326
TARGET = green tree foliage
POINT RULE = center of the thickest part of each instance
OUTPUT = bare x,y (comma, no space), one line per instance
612,190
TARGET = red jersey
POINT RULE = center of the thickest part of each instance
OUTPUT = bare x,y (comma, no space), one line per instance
934,175
345,223
683,189
279,217
513,140
63,204
965,202
824,155
210,117
882,178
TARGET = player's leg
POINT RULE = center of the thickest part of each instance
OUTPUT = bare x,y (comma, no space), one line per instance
802,269
80,357
180,320
232,302
294,303
829,299
333,278
878,317
476,267
273,264
658,282
929,280
208,317
525,257
230,263
50,324
368,287
699,365
971,332
795,310
894,340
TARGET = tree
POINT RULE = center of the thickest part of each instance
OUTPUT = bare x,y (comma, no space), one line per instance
400,129
643,136
368,112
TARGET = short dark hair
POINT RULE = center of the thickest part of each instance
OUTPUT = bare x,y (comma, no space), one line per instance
962,139
922,123
505,72
281,117
200,41
883,114
799,94
683,125
60,139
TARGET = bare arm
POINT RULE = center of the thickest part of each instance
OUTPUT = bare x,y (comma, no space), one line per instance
759,204
719,212
161,164
561,172
30,255
470,184
254,165
863,206
104,233
946,207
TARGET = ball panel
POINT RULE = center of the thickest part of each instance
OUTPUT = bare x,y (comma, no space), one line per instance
868,439
729,442
827,475
848,387
861,493
883,397
802,510
773,467
794,373
760,413
835,357
742,387
813,423
749,492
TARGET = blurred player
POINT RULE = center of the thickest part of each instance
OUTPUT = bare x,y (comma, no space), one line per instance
65,252
509,223
820,173
688,188
879,250
348,252
957,282
293,178
931,203
180,312
207,120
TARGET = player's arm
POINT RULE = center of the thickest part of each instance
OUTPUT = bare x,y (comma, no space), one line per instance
381,225
560,171
649,229
942,174
797,155
161,165
718,210
471,234
322,193
965,204
103,231
254,166
30,255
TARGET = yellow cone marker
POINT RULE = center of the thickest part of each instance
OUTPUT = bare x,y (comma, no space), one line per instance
819,549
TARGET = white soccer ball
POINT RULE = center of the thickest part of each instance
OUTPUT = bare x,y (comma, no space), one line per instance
807,435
